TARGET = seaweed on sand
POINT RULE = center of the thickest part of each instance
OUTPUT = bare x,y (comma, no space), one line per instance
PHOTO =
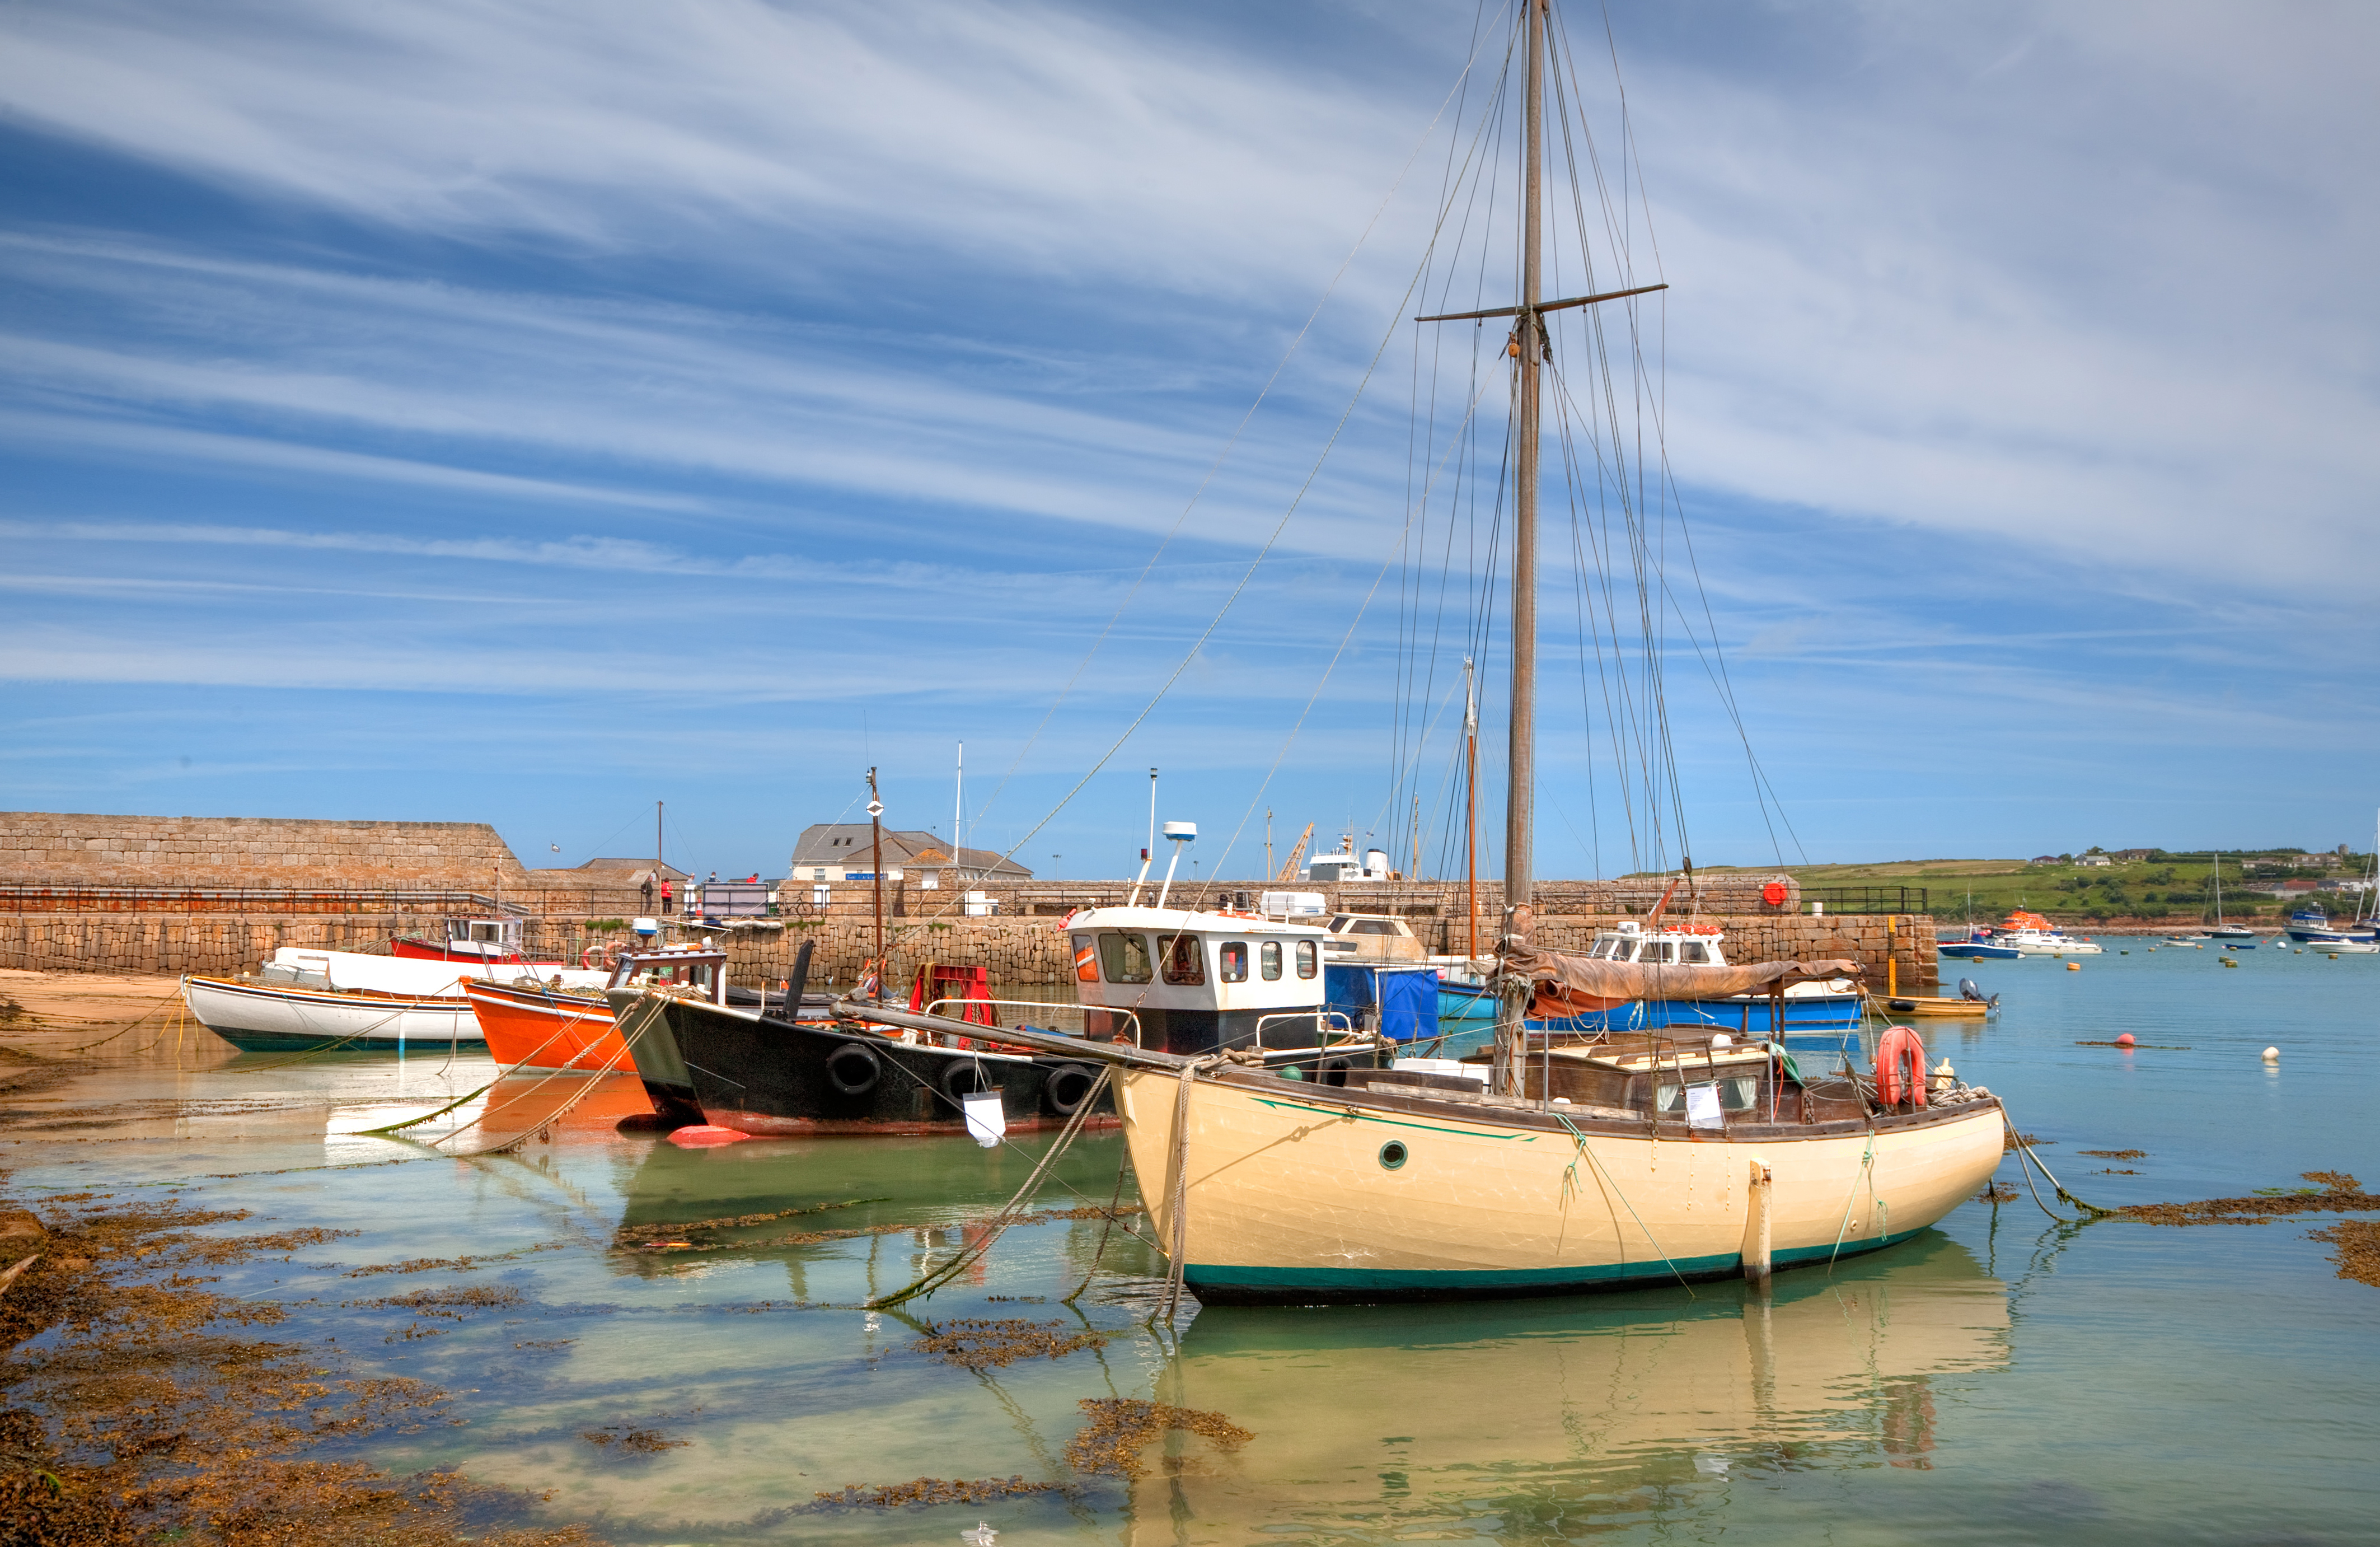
139,1410
2333,1193
977,1345
1122,1427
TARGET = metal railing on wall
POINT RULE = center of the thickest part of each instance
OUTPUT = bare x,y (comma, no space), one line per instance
24,898
1867,899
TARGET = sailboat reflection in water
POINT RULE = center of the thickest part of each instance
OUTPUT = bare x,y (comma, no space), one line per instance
1409,1413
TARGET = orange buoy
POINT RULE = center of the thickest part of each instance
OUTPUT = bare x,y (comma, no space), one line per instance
2124,1040
1900,1067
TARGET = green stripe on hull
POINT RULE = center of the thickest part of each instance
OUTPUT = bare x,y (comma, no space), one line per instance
1243,1285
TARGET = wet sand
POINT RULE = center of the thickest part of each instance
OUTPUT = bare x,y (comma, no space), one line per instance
69,1016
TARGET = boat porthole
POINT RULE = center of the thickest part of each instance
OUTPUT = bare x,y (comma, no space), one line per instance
1392,1155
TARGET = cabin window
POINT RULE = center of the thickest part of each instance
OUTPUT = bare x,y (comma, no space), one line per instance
1373,926
1125,957
1232,959
1661,950
1694,950
1086,960
1185,963
1306,959
1269,960
1736,1093
1602,951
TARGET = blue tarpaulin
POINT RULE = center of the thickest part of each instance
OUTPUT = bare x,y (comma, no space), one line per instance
1408,1003
1405,997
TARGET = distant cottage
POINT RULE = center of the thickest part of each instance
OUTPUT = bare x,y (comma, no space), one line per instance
842,851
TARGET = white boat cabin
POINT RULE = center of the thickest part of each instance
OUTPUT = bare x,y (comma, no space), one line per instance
1674,948
1690,947
695,970
1369,937
1192,981
493,939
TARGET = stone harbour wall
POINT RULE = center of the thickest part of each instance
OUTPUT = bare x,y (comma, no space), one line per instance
60,849
1015,951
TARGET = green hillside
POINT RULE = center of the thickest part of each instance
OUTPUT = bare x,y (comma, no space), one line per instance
2165,886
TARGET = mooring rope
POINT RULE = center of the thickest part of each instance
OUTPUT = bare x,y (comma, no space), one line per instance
1570,1176
502,1074
1868,1162
1107,1223
974,1253
2024,1149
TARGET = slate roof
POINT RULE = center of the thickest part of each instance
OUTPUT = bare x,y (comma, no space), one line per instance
847,844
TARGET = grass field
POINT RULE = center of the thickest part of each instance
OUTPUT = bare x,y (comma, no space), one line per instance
2170,886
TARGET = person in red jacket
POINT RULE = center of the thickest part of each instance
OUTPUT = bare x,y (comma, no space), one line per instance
665,894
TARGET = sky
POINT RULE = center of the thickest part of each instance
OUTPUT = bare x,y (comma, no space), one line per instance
526,412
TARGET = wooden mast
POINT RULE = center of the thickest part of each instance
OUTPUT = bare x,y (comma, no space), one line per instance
1528,353
1520,789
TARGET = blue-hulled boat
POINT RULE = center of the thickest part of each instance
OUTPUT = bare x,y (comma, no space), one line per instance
1976,945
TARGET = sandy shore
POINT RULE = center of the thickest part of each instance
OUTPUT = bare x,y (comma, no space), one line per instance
51,1022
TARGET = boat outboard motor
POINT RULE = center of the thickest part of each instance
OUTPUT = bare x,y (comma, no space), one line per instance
1969,991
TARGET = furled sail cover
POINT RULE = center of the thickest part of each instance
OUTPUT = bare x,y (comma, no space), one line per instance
1566,980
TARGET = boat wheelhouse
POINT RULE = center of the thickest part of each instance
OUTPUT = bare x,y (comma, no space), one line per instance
1191,981
2311,925
478,940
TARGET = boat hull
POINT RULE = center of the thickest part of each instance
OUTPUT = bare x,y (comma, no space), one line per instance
273,1018
1978,951
1289,1198
529,1028
770,1078
1927,1005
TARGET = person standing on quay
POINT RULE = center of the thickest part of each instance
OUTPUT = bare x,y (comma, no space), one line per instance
645,891
665,894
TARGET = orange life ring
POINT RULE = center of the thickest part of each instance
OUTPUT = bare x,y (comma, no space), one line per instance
1773,894
1900,1067
584,964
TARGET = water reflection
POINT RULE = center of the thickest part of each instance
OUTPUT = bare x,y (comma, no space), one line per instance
887,1206
1558,1418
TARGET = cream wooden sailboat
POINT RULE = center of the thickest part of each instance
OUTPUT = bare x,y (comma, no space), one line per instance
1676,1153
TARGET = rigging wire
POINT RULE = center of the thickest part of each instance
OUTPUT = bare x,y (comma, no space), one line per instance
1453,96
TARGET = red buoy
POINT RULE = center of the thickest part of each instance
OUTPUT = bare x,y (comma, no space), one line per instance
2125,1039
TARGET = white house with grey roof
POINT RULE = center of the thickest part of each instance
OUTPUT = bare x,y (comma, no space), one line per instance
841,851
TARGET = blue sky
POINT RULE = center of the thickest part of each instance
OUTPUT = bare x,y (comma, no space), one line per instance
521,412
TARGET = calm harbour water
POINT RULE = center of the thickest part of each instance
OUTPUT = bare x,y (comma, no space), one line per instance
1999,1380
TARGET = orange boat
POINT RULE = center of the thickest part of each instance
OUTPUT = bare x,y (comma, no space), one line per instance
542,1028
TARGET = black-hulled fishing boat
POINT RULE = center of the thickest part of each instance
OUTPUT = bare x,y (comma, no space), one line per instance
761,1075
